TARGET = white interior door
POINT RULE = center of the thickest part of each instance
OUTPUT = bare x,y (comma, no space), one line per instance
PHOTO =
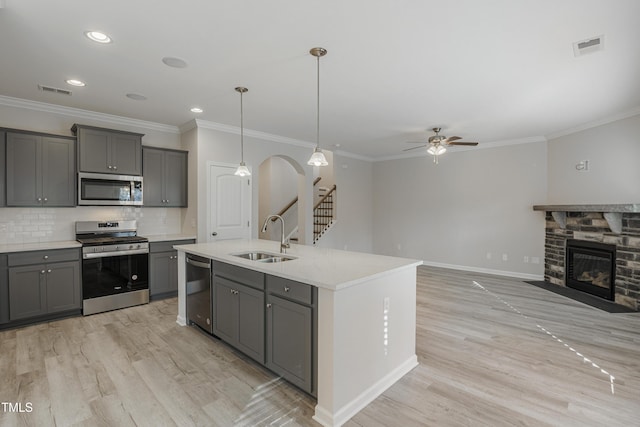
229,204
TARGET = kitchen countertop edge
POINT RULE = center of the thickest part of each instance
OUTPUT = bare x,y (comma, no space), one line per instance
281,270
39,246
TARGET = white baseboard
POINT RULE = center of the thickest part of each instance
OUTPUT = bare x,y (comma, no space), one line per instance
515,274
344,414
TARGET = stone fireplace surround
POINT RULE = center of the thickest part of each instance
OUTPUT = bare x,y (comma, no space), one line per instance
616,224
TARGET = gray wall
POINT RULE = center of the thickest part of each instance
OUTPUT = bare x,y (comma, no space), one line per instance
613,151
466,212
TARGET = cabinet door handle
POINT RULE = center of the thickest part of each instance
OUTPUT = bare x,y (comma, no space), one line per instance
39,199
166,201
46,200
287,289
269,305
42,272
49,271
110,167
115,167
45,257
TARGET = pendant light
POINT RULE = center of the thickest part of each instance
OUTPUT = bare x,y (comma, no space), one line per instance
317,158
242,169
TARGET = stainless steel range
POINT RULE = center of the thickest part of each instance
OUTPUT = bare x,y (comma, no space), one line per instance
115,265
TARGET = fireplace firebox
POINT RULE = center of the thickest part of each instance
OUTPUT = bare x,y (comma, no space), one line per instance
590,267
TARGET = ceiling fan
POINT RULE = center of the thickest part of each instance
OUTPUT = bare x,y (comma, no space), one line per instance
438,144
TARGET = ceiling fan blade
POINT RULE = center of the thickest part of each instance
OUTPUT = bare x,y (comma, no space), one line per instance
416,142
413,148
452,138
463,143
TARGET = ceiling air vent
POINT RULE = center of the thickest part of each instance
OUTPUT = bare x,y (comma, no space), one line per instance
54,90
591,45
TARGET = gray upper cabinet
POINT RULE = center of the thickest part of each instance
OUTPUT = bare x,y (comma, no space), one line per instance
165,177
3,173
108,151
40,170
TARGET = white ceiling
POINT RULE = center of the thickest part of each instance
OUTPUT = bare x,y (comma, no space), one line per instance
493,71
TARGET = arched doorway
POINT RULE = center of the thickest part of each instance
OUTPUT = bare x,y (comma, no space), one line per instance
281,192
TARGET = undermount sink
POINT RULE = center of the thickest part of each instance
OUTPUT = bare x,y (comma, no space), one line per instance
264,257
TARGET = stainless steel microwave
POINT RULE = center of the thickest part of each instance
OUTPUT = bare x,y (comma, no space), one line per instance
99,189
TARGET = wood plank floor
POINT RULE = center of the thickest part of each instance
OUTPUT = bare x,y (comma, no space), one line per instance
492,350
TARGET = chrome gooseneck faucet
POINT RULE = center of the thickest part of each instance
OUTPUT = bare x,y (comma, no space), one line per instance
283,245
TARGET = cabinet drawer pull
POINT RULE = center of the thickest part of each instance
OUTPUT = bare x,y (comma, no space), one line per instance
269,305
287,289
46,257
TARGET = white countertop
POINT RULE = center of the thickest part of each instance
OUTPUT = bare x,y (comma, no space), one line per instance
325,268
168,237
42,246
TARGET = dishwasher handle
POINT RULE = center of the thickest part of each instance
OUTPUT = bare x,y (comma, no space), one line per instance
198,263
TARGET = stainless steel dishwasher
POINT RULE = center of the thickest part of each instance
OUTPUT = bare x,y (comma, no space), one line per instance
199,303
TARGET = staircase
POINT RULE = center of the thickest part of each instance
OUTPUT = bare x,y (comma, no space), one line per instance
323,215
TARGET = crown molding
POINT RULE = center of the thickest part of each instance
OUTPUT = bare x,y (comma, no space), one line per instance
78,113
253,134
596,123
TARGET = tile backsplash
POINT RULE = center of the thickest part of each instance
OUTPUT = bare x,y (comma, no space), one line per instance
34,225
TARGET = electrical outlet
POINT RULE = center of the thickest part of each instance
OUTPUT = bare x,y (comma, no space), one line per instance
535,260
505,257
526,259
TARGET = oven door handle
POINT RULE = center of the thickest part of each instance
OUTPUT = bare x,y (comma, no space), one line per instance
119,253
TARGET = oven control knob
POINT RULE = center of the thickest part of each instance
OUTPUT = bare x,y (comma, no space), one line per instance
130,246
139,246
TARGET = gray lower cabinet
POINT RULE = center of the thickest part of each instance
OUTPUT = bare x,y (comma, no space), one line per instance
291,331
238,309
163,268
277,328
4,290
3,165
165,177
40,170
43,288
108,151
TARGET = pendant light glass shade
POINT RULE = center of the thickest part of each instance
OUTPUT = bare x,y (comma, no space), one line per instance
318,158
242,170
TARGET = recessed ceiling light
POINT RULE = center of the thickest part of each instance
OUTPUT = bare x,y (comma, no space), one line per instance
74,82
98,36
196,110
136,96
174,62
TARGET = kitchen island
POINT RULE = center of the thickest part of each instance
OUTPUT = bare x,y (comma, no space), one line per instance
366,316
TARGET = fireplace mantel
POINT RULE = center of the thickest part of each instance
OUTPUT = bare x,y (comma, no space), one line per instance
626,207
611,212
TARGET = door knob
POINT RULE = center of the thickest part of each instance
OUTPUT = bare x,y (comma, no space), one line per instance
214,233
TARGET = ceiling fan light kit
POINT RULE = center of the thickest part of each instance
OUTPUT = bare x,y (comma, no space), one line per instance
438,144
318,158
